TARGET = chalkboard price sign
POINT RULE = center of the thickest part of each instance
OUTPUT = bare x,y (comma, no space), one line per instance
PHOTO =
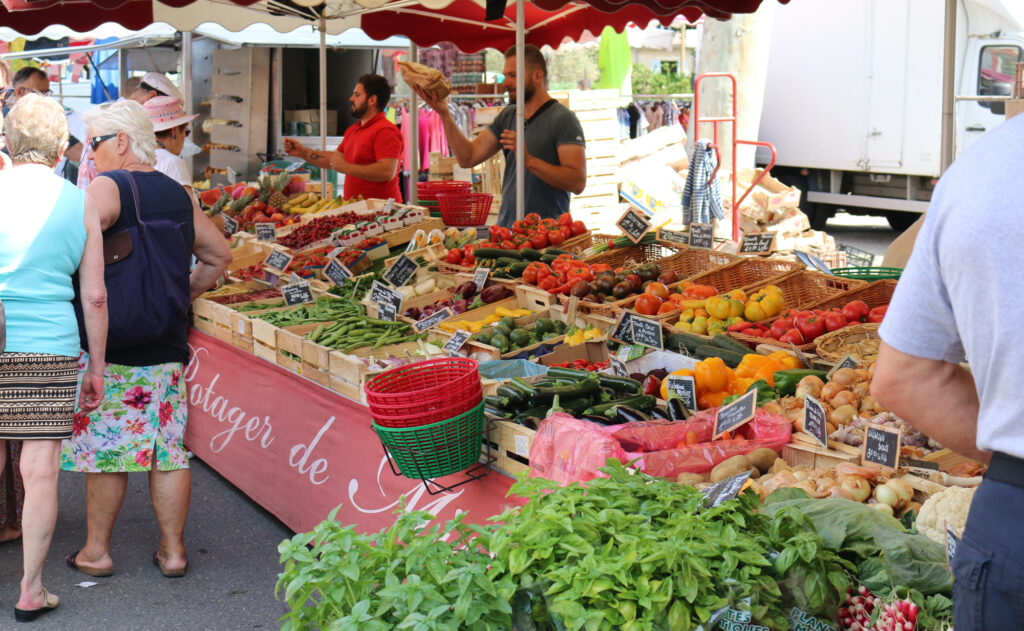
686,388
731,417
848,361
459,338
701,236
953,538
297,293
433,320
480,277
673,236
815,420
757,243
388,301
266,231
387,311
881,446
623,331
647,332
633,224
278,260
230,225
725,490
401,271
337,272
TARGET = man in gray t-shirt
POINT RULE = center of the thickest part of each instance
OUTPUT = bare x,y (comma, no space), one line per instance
555,160
961,296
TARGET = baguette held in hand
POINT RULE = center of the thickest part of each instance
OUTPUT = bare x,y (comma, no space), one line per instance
430,80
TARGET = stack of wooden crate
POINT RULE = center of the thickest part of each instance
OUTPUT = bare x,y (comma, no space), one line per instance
597,112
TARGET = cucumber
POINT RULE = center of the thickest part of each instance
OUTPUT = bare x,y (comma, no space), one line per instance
504,261
555,251
548,258
515,270
730,358
494,253
530,254
724,341
684,340
619,384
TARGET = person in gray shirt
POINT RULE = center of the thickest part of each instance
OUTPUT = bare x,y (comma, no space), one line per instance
555,160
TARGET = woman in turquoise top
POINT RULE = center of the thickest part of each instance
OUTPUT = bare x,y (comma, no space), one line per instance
48,230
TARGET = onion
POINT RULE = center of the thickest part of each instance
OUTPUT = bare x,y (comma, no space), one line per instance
809,385
802,476
830,390
885,508
870,405
843,415
844,376
839,491
843,397
856,486
885,494
772,408
861,389
902,489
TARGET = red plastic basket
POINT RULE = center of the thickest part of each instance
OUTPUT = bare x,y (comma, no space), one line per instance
428,191
464,209
424,392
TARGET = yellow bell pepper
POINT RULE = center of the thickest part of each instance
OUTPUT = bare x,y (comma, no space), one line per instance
739,385
475,327
503,312
712,375
592,333
750,364
788,360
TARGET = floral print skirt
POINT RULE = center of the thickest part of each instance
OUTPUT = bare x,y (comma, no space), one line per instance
139,426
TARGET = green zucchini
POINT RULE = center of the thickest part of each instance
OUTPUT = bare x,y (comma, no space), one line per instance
494,253
555,251
529,392
515,270
724,341
530,254
498,412
619,384
643,402
539,412
730,358
496,402
572,390
569,373
688,341
576,405
548,258
504,261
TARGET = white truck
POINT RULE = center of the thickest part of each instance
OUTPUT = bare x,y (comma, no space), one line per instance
853,98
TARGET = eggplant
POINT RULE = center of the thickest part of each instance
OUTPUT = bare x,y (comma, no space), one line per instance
413,313
659,412
460,306
677,411
494,293
626,414
596,418
467,290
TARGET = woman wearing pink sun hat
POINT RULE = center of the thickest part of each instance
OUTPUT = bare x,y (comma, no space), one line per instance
170,122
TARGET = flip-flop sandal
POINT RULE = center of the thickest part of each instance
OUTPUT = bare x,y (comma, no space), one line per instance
166,572
50,602
72,560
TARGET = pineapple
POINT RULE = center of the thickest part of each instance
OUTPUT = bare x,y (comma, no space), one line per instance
281,181
265,189
277,200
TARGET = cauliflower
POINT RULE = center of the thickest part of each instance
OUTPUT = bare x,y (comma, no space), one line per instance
950,505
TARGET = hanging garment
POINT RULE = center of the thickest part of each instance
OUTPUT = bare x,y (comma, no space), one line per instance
702,200
615,62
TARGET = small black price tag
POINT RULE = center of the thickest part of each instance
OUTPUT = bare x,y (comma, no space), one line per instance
725,490
297,293
953,537
401,271
634,224
480,277
456,341
387,311
673,236
731,417
848,361
266,231
433,320
337,272
815,421
278,260
702,236
623,331
389,301
230,225
757,243
881,446
686,388
648,333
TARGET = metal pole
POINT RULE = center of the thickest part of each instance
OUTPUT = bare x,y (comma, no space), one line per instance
122,69
186,82
520,125
948,77
323,101
414,135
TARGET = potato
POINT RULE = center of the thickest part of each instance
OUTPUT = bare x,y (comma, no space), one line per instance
689,479
762,458
779,465
730,467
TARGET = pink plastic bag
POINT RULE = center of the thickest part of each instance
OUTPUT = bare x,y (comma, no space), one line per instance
766,430
658,435
567,450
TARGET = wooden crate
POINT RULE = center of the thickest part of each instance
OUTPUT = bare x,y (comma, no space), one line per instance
261,350
812,455
348,374
242,342
264,332
288,363
510,446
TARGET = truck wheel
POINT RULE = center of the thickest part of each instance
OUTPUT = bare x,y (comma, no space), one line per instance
900,221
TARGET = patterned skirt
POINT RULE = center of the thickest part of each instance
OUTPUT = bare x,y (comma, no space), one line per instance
37,396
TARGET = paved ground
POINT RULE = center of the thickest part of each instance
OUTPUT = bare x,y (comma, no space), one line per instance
871,234
233,565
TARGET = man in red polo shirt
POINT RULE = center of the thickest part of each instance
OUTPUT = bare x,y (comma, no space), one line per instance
371,149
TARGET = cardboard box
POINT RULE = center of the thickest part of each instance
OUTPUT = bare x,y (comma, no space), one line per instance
592,351
770,194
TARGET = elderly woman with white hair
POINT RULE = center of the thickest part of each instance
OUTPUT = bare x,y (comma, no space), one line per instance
49,230
142,425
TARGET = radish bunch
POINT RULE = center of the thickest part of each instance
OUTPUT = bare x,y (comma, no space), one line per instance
859,607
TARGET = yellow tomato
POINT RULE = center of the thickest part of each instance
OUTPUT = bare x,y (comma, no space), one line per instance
718,307
736,307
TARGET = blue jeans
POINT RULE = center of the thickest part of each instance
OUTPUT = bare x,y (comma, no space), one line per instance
988,567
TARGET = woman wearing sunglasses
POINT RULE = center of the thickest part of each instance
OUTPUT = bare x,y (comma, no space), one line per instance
143,424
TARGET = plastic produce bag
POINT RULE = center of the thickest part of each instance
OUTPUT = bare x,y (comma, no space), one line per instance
506,369
567,450
766,430
659,435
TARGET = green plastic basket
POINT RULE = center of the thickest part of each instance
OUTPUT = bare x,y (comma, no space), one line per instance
435,450
869,273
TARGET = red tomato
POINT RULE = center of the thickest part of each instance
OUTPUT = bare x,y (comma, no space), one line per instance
540,241
666,307
530,276
468,258
454,256
876,314
780,326
856,311
578,228
792,335
657,289
809,325
566,232
647,304
565,219
548,282
834,321
555,237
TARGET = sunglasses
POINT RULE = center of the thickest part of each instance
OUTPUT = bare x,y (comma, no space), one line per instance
95,142
39,92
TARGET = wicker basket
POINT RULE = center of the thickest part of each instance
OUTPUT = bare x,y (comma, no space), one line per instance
634,254
873,294
805,288
860,340
747,274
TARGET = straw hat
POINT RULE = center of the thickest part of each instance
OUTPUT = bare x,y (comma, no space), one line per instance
166,112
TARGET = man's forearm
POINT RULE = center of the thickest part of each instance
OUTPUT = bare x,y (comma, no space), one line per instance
376,172
564,178
321,159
